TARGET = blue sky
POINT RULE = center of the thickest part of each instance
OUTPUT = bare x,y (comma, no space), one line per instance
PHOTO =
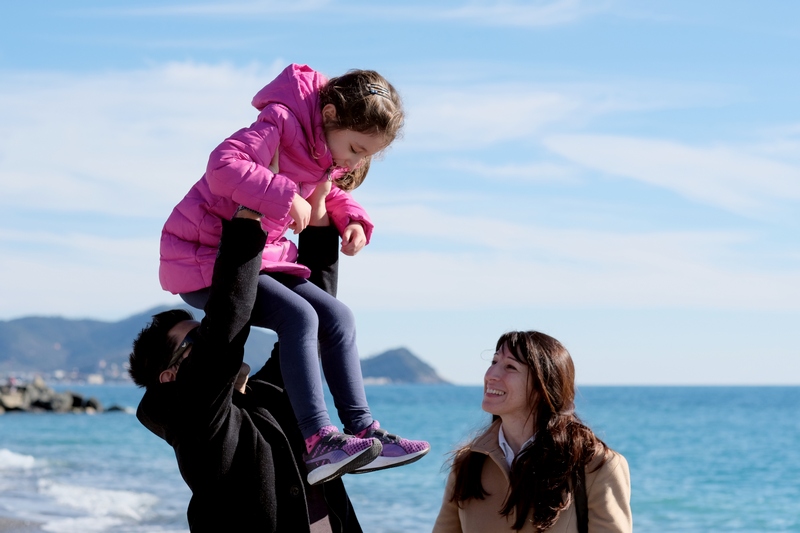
622,175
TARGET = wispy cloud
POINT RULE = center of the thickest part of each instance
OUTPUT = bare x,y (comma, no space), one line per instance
781,141
216,9
460,119
530,172
722,176
524,14
128,143
500,13
449,115
132,143
78,275
533,265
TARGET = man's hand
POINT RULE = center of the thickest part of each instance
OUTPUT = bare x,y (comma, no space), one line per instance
353,239
241,378
243,212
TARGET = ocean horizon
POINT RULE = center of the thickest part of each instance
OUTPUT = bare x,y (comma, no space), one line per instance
702,459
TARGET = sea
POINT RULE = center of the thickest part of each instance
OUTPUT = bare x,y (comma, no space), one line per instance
702,459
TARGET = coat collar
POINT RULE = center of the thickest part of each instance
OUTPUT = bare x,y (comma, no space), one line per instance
488,444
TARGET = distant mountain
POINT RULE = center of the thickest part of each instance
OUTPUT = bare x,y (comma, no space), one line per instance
63,348
51,344
398,366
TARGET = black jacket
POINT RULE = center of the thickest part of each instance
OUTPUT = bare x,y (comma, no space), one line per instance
240,454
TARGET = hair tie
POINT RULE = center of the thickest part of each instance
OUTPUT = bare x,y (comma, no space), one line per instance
380,90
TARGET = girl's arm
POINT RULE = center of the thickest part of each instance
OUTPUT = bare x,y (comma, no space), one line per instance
344,211
239,169
353,239
319,211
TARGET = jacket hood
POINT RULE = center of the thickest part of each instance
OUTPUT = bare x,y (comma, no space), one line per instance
297,89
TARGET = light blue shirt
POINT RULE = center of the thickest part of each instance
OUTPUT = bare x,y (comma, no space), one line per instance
506,448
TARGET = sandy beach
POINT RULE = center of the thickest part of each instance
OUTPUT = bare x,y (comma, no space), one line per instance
9,525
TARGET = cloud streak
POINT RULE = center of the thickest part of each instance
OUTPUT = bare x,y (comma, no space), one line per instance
78,275
536,14
522,265
523,14
721,176
125,143
232,9
130,144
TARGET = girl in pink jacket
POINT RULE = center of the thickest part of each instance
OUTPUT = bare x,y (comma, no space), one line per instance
310,132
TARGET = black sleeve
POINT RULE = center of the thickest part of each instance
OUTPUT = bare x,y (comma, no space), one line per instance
235,279
218,350
318,249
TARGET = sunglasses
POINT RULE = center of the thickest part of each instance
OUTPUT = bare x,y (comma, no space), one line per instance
185,344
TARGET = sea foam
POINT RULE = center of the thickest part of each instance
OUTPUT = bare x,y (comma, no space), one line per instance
106,508
15,461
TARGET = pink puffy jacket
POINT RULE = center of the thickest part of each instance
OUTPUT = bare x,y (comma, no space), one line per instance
237,174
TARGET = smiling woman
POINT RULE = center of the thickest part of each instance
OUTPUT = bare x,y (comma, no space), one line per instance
537,467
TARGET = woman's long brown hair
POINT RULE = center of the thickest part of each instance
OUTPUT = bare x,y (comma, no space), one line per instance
541,476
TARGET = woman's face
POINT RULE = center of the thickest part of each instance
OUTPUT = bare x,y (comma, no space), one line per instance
507,388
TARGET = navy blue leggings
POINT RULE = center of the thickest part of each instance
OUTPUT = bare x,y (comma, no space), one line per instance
311,324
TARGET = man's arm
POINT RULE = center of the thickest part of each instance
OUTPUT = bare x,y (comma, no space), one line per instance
219,348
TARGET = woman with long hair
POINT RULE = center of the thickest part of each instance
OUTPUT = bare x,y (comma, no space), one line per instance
537,467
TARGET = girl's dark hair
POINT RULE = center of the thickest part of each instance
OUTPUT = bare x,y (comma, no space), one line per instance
542,475
355,177
365,102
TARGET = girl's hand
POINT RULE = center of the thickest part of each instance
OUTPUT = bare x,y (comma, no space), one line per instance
300,211
319,213
353,239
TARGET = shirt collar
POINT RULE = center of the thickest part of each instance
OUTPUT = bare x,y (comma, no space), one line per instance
506,448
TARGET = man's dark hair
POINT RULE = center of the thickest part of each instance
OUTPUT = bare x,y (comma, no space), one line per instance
152,348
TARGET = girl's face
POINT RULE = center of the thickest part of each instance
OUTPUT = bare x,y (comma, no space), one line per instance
349,148
507,388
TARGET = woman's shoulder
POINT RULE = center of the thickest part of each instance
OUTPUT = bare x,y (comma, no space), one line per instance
607,465
608,490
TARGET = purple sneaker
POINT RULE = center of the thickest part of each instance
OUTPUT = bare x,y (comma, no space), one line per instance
396,450
335,453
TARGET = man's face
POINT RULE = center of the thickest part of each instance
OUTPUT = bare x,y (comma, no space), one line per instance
177,334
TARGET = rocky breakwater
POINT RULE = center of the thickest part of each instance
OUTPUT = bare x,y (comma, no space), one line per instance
36,396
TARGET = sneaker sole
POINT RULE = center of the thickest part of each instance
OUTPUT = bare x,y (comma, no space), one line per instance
328,472
382,463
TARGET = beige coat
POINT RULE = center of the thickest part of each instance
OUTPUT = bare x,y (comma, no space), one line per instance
608,492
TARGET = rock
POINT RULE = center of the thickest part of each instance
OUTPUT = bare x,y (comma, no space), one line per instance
37,397
93,403
12,400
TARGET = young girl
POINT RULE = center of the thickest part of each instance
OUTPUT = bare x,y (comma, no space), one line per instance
310,132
